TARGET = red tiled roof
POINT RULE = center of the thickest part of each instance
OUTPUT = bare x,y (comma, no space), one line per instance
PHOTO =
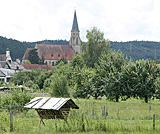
55,52
32,66
57,55
25,56
2,57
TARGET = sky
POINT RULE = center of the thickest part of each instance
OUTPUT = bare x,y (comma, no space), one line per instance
119,20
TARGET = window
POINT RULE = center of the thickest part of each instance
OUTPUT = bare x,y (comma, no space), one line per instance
77,41
66,55
52,54
53,63
59,55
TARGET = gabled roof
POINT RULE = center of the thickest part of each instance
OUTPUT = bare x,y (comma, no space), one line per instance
2,57
75,23
25,56
58,55
15,65
32,66
7,72
2,74
2,64
55,52
50,103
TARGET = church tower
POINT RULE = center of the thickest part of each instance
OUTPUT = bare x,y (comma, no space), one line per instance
75,40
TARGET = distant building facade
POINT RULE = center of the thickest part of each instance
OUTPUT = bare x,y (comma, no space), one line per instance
53,53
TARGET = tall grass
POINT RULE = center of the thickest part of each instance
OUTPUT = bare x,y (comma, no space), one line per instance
130,116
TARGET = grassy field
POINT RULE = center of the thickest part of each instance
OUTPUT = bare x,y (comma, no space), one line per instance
131,116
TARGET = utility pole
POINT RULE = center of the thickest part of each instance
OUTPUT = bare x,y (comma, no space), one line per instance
130,49
155,54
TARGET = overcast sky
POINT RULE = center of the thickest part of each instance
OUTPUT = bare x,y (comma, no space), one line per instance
120,20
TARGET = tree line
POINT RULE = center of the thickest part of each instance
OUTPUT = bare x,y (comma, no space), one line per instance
135,49
98,72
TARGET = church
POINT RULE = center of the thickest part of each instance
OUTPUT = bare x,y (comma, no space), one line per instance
53,53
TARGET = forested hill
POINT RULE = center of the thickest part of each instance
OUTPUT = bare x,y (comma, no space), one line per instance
18,48
135,49
138,49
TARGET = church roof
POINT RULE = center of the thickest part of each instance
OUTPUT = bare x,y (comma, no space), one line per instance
55,52
75,23
26,55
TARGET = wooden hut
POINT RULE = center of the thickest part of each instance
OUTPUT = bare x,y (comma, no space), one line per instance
51,108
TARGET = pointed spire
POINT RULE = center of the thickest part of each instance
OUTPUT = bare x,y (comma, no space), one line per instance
75,23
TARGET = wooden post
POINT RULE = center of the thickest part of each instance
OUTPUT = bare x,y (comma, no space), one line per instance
11,122
149,110
93,111
153,121
83,126
42,121
118,114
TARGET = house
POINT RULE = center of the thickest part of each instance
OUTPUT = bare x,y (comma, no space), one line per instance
9,67
53,53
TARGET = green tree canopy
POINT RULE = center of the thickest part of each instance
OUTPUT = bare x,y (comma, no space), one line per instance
27,62
108,73
33,56
145,76
95,46
62,59
77,61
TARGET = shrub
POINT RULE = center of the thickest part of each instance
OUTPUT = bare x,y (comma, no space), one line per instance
15,100
59,87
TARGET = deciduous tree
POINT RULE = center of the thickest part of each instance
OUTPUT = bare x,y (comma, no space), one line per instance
94,47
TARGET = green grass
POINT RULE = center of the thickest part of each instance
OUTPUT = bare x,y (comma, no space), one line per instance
131,116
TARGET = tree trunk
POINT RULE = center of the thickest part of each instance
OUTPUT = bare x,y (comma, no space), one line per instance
96,97
117,97
146,99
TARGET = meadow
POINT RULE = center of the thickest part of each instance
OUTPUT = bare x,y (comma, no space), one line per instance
93,116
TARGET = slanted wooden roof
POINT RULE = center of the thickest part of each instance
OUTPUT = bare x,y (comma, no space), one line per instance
50,103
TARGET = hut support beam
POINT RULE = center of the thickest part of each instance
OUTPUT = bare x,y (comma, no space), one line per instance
42,122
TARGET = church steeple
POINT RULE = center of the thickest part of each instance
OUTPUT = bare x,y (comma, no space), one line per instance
75,40
75,23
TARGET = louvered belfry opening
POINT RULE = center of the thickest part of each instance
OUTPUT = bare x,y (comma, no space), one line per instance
52,108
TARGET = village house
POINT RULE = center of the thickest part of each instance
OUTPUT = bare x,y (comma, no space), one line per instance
9,67
53,53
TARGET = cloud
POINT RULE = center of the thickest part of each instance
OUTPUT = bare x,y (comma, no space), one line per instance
120,20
